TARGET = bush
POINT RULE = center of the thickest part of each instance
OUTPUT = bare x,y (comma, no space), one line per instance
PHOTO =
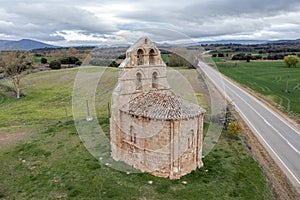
69,60
291,60
78,63
177,61
44,60
113,64
123,56
220,55
55,64
234,129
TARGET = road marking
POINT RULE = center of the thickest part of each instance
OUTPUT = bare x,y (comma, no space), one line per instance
245,118
286,140
267,122
264,106
250,96
252,126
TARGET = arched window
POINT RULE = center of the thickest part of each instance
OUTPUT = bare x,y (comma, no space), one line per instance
140,57
131,132
154,80
134,138
138,81
191,139
151,57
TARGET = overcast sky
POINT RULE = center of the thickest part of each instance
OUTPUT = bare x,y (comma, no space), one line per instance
74,22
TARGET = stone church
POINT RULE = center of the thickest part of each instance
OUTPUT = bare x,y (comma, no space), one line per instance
150,128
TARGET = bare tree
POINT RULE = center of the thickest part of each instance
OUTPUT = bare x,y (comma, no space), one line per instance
15,63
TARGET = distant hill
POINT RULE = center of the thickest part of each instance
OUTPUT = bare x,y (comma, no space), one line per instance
235,42
285,41
242,42
24,44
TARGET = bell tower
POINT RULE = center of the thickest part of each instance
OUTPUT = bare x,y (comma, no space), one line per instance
143,70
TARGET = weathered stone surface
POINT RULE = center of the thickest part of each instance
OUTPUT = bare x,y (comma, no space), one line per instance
150,129
162,106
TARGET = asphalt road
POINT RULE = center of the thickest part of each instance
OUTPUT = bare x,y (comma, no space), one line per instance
280,138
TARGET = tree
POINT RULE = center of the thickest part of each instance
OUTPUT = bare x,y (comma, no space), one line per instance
177,61
113,64
291,60
55,64
14,64
69,60
248,57
72,52
234,129
44,60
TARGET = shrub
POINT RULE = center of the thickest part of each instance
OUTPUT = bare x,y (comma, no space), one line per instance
69,60
78,63
123,56
55,64
234,129
113,64
291,60
44,60
220,55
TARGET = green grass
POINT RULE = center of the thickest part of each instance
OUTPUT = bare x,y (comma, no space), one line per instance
52,162
269,79
37,59
46,94
219,59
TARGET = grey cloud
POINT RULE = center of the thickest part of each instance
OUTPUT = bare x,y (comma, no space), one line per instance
160,19
42,20
67,16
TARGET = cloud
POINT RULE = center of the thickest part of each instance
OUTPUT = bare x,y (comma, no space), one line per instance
80,22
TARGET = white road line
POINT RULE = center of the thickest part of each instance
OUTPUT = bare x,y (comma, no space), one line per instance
267,122
286,140
246,119
266,107
253,128
260,103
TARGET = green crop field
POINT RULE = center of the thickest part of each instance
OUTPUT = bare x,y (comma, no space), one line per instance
270,79
42,156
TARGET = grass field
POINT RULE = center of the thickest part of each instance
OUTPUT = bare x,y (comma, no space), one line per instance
50,162
269,79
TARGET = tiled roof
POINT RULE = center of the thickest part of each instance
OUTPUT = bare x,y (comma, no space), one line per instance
156,105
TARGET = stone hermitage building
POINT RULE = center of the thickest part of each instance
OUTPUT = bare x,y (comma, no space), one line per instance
150,128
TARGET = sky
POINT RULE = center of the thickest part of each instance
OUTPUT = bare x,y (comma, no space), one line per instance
105,22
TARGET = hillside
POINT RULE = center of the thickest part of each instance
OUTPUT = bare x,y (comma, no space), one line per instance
43,158
24,44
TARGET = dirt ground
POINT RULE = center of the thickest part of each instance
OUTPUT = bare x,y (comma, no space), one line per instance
9,93
281,185
10,138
